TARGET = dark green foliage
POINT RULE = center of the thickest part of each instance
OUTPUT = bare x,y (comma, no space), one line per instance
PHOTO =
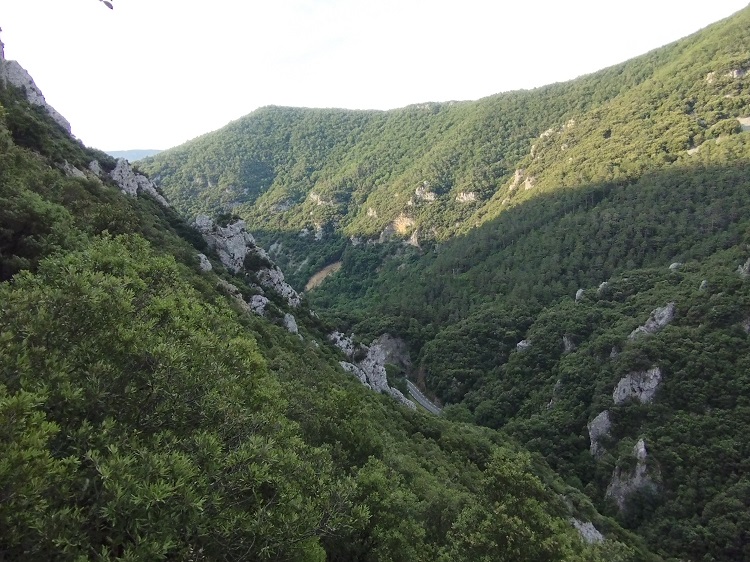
142,417
517,201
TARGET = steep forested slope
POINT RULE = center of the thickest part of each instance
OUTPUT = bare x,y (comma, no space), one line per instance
511,206
439,169
146,415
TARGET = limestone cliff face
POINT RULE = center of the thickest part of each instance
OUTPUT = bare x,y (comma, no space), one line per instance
204,263
133,183
625,483
588,532
233,244
659,319
371,370
599,429
273,278
13,74
639,385
343,342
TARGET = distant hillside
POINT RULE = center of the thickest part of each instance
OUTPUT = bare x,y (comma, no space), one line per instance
429,172
133,155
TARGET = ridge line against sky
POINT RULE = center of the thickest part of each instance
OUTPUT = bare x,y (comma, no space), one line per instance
156,73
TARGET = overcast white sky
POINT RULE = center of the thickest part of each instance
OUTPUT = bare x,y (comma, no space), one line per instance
155,73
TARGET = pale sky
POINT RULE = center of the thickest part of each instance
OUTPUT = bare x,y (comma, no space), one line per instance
156,73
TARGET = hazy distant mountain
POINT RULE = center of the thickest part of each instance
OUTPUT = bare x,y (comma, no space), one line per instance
133,155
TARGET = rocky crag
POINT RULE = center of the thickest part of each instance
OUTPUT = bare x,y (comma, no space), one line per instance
13,74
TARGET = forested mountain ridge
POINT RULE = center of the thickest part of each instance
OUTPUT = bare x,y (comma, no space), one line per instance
544,228
442,168
147,414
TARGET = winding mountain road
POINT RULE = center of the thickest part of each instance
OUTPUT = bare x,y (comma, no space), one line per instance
422,399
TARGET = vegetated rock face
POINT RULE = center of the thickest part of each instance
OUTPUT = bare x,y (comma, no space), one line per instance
744,270
232,242
371,370
401,227
625,483
588,532
555,391
343,342
235,293
258,304
568,344
96,168
640,385
373,366
599,429
204,264
603,286
394,350
14,74
423,192
523,345
290,324
272,278
72,171
659,319
675,266
132,183
356,371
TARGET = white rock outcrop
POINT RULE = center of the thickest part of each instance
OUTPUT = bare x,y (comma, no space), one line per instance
423,192
744,270
579,295
659,319
624,483
132,183
640,385
356,371
13,74
343,342
371,370
589,533
290,323
272,278
203,263
518,177
603,286
96,168
258,304
466,197
232,242
373,366
599,429
523,345
395,351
